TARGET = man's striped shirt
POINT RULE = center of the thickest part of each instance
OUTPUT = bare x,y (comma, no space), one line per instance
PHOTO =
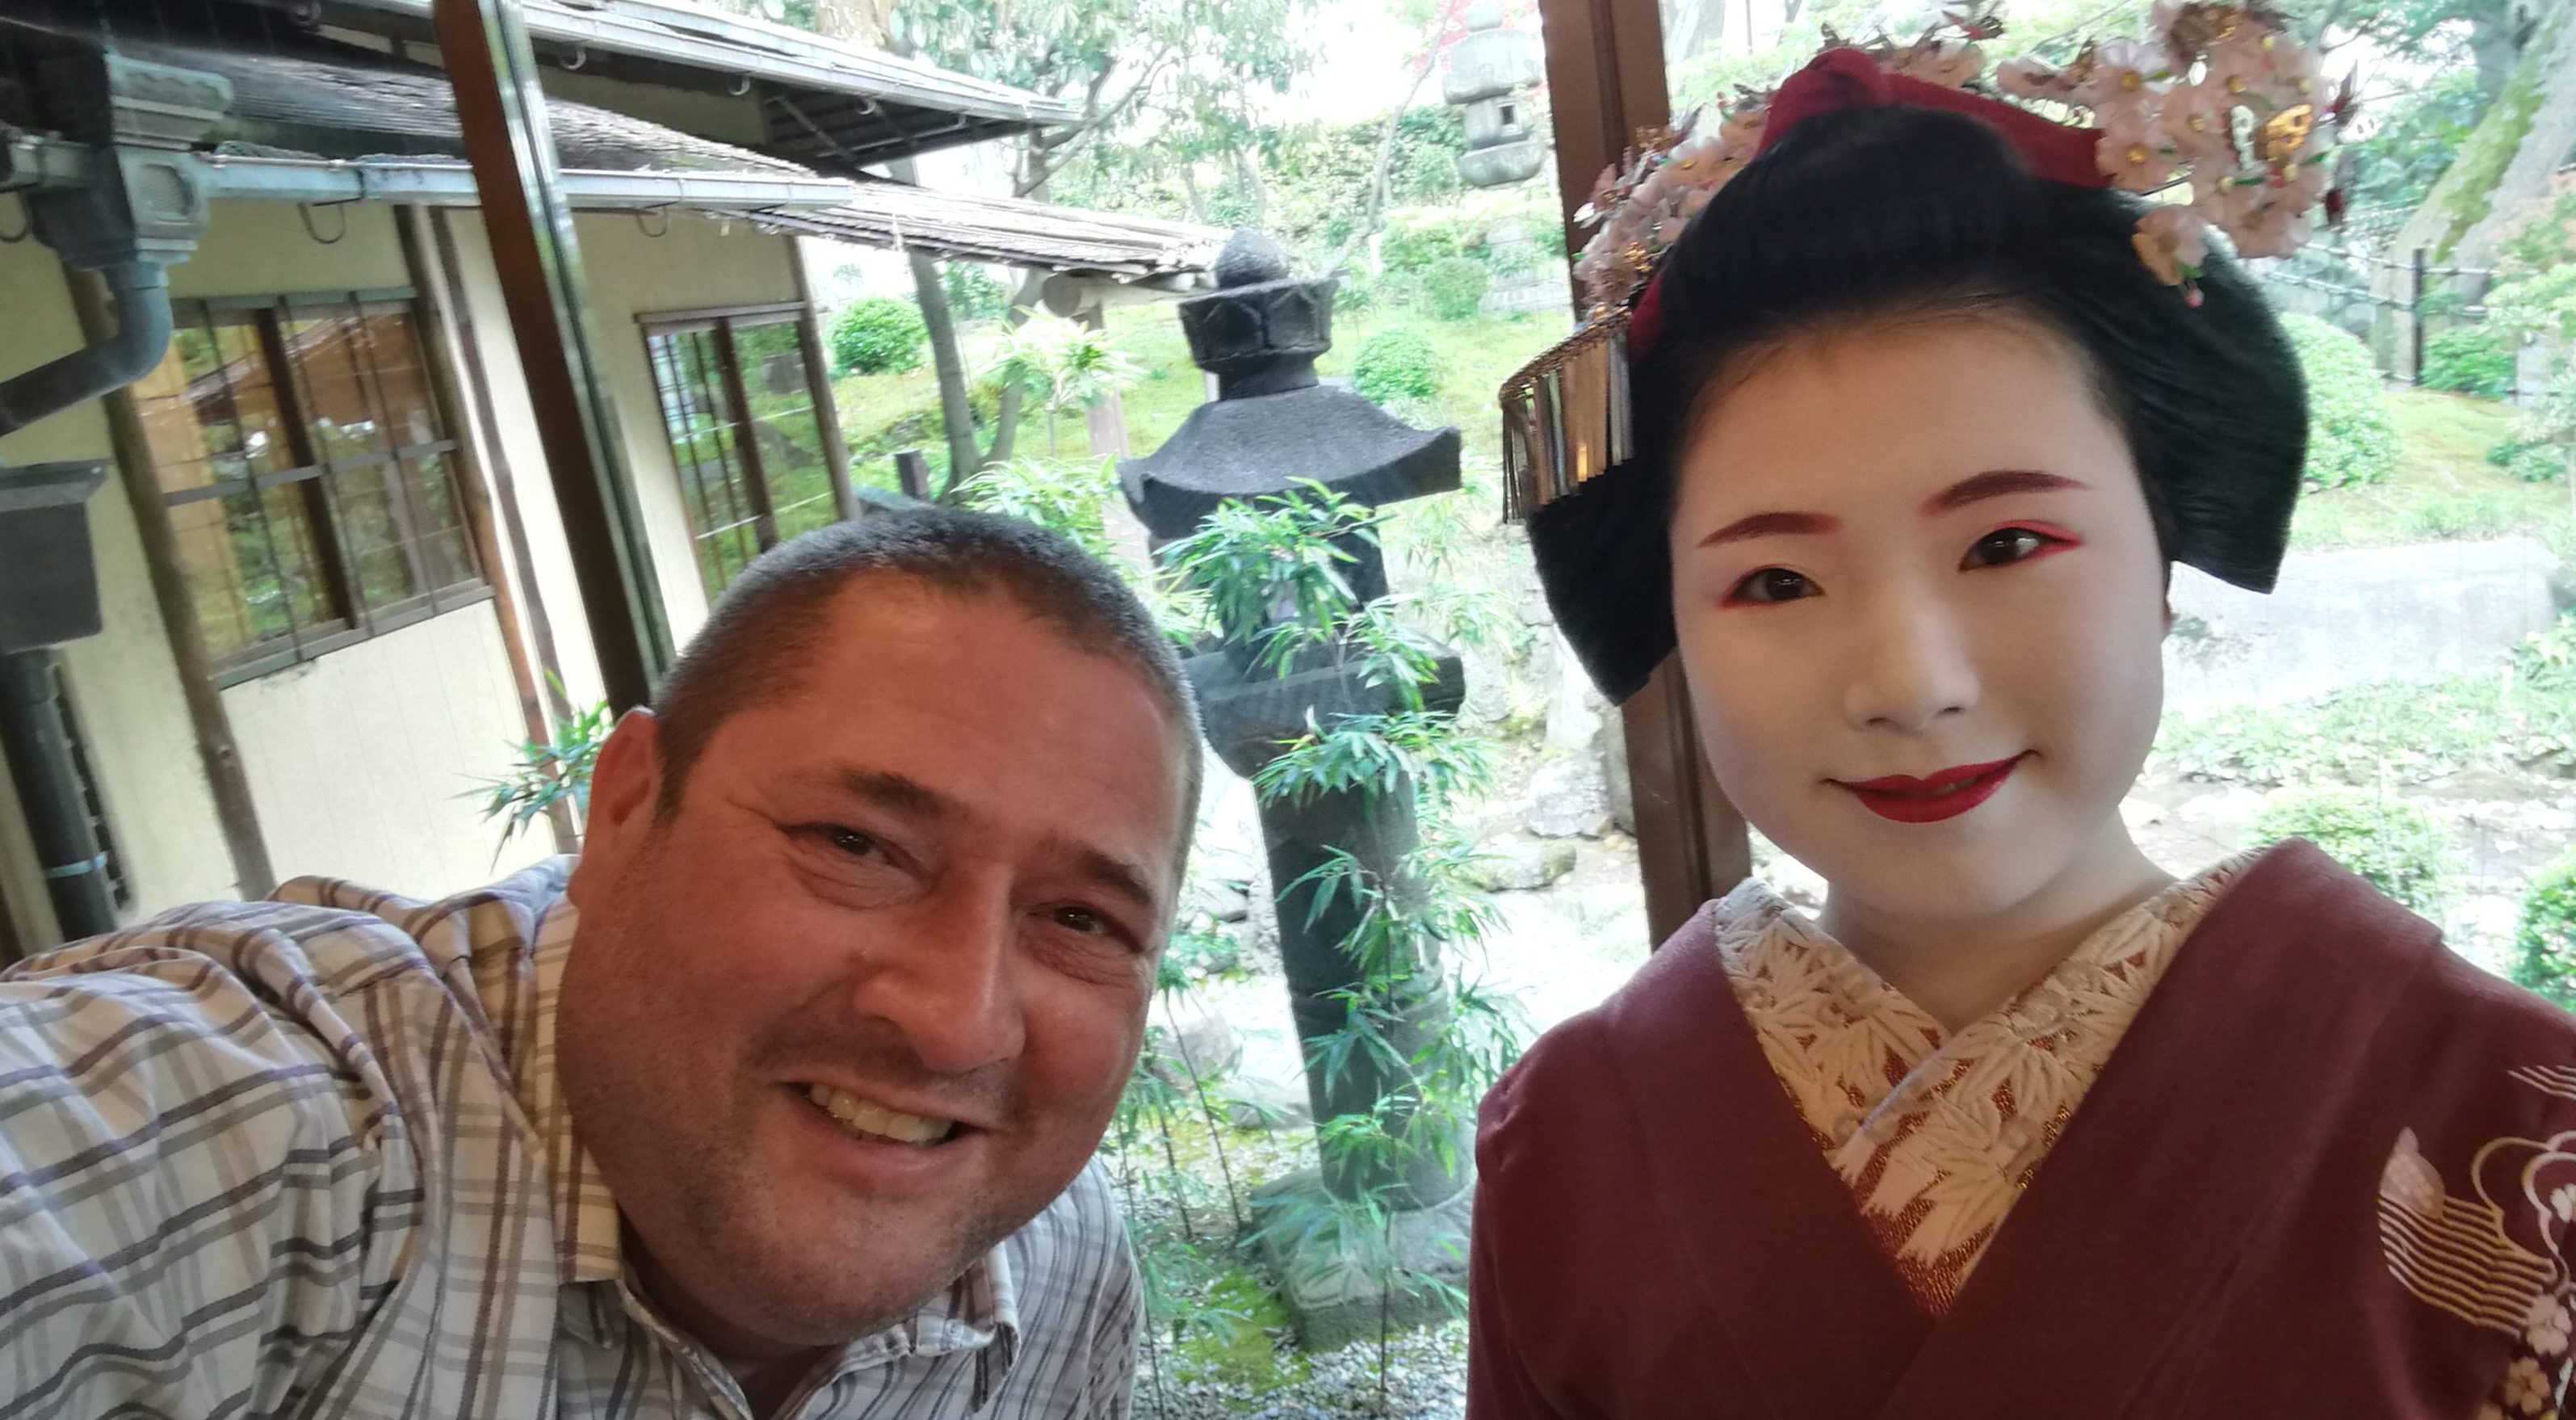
309,1157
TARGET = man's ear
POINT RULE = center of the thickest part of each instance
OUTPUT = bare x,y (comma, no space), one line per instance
625,789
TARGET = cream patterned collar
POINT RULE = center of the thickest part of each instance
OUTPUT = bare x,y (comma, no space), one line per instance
1936,1136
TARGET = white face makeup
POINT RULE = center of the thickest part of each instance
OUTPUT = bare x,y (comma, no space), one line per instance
1921,603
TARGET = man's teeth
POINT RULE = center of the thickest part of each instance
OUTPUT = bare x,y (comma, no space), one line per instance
874,1120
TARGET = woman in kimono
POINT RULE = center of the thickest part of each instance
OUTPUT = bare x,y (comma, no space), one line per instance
1896,442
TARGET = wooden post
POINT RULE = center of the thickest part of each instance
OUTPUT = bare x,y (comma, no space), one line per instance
501,113
441,351
912,474
236,814
2415,316
1605,74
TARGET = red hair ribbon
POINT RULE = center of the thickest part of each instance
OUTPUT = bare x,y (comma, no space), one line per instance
1849,78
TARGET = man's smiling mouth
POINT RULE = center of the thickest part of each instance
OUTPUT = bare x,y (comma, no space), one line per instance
869,1120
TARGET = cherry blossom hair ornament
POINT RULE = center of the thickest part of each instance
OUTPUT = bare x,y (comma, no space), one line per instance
1871,185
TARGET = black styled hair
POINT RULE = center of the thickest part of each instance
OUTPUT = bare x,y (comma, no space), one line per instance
770,622
1867,214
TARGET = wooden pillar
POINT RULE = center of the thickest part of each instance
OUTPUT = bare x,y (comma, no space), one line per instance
1605,75
236,814
443,351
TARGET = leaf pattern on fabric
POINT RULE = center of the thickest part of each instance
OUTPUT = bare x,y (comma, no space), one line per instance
1937,1136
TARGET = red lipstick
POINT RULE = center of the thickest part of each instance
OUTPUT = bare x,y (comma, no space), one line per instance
1947,793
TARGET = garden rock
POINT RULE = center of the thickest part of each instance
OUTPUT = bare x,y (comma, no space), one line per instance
1611,747
1193,1035
1522,865
1264,1101
1569,800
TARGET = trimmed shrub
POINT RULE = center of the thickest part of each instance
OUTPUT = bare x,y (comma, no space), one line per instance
2351,437
878,335
2395,845
2469,359
1415,240
2538,463
2545,943
1455,287
1395,364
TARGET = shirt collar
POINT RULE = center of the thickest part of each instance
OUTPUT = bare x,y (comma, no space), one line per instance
978,1312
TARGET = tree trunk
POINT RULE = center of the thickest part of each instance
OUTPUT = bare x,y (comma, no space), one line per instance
2501,169
956,413
1691,26
1374,215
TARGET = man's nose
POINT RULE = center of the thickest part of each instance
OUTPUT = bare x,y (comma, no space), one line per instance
1911,666
946,981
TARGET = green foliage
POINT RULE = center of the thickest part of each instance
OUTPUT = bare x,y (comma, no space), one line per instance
1455,287
2530,460
548,772
1415,240
1395,363
2469,359
1273,560
2351,438
878,335
1067,496
2412,140
2545,940
2393,844
1062,365
973,293
2393,733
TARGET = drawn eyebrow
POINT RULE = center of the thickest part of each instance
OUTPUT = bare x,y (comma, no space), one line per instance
1773,525
1996,483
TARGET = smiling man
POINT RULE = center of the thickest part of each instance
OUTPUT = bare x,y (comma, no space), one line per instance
777,1103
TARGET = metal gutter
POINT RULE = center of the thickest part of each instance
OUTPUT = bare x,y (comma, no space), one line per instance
730,45
435,184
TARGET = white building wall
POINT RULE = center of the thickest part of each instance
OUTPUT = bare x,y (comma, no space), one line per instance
362,763
131,713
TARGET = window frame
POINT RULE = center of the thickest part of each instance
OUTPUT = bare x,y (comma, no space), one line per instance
313,473
745,481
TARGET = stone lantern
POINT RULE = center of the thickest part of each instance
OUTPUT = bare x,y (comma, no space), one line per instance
1272,425
1490,75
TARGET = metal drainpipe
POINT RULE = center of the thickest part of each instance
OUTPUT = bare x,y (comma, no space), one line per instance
49,794
140,293
34,735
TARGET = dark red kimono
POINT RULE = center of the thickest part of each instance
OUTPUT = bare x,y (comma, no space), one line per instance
2326,1173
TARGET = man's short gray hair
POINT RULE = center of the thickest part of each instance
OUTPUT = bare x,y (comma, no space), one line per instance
769,623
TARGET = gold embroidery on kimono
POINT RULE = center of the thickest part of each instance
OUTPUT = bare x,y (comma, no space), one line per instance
2458,1253
1935,1137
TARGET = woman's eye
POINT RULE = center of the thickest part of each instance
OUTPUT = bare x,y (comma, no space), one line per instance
1772,584
2005,545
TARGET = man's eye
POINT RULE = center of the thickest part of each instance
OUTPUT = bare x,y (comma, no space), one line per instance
1081,919
2006,545
1772,584
848,840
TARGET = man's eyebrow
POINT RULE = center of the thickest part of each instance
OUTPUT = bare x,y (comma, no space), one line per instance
897,792
1115,874
1996,483
1773,525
